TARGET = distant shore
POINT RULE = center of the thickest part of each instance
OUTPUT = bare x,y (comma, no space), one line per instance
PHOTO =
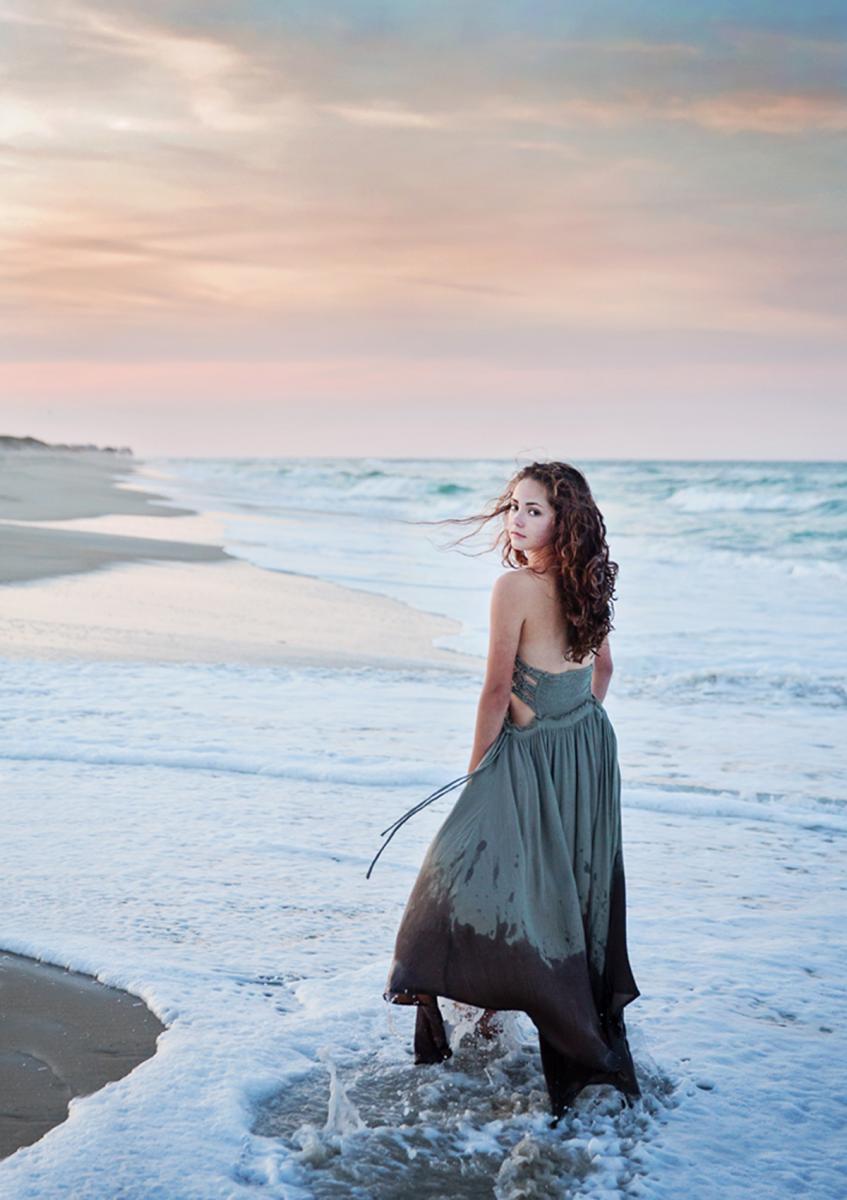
8,442
172,592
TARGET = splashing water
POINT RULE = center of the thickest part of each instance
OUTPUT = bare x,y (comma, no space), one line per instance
476,1126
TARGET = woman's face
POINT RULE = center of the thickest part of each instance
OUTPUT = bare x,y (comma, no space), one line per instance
530,520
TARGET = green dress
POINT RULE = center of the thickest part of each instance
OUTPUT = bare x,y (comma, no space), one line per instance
520,902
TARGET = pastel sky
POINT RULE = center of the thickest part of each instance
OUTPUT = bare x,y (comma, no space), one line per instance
566,228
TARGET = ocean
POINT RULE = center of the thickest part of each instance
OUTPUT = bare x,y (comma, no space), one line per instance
199,834
732,595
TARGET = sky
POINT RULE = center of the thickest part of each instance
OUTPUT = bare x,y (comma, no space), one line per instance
586,228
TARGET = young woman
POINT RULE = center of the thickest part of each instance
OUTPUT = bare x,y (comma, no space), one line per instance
520,901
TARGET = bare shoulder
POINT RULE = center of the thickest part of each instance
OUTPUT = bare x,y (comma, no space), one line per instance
509,580
526,587
512,586
519,580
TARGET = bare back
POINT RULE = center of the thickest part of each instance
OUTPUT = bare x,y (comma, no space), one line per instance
543,639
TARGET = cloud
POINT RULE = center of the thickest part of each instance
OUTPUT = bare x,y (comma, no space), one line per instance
77,64
388,117
191,175
781,114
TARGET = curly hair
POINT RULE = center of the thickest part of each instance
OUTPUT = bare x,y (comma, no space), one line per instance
585,575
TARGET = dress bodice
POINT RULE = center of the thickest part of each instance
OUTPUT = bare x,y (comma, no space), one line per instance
551,693
561,698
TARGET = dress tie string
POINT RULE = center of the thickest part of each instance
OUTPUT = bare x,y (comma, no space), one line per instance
489,756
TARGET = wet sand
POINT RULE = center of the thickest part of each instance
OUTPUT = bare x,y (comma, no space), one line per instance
44,486
94,566
53,485
62,1034
171,592
28,553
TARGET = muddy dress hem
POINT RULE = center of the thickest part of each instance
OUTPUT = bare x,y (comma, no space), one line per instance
520,903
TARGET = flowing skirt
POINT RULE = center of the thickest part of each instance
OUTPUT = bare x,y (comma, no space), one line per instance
520,903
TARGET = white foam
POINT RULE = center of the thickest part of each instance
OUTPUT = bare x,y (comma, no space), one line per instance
751,499
199,834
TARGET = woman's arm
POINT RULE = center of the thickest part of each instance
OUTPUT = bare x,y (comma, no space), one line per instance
506,623
602,672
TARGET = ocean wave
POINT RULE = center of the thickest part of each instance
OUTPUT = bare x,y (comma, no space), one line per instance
450,489
363,487
782,561
377,774
822,816
759,686
381,780
704,500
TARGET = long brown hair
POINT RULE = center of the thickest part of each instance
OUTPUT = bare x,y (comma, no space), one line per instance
585,575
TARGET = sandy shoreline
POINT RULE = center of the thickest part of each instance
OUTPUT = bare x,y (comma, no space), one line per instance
53,485
63,516
62,1034
200,835
170,593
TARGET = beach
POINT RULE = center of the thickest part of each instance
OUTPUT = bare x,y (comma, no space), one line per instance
59,516
62,1035
58,510
212,705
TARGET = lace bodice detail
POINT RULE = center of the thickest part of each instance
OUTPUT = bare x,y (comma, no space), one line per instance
551,693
